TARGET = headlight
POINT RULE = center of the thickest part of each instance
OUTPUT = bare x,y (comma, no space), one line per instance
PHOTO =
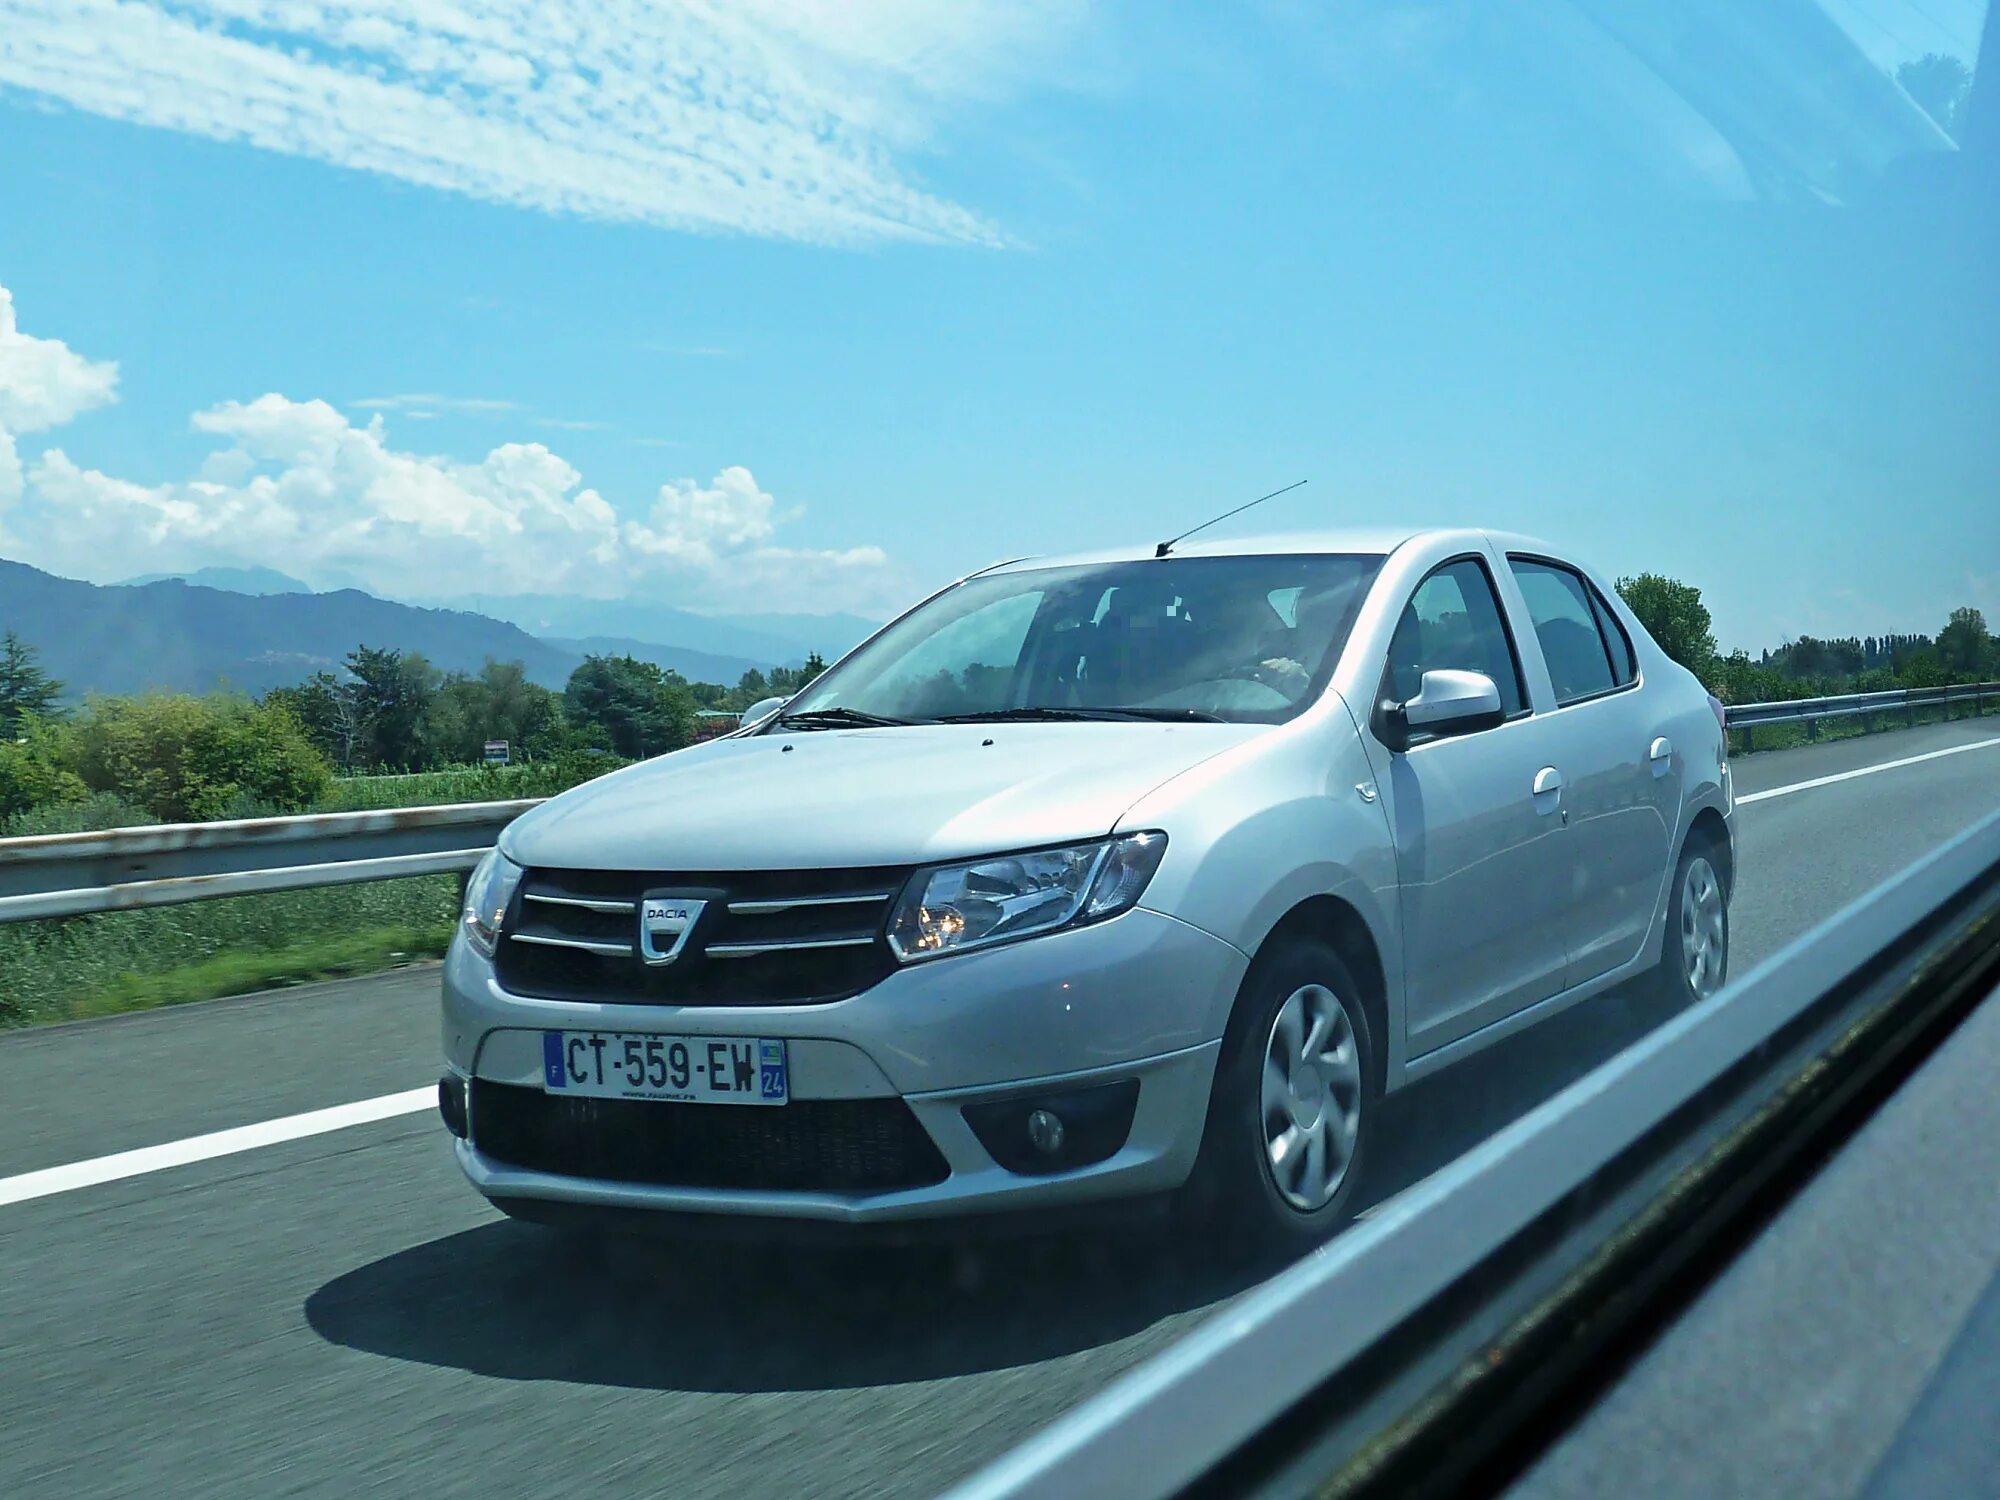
486,896
949,908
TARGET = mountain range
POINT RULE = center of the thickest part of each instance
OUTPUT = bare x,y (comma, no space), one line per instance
190,636
768,639
236,580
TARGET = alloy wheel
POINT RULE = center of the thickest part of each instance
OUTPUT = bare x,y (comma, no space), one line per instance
1311,1097
1704,931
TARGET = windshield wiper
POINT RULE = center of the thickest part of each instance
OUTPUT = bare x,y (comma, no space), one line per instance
839,718
1031,714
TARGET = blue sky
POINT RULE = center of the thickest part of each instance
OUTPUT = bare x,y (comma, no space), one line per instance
778,305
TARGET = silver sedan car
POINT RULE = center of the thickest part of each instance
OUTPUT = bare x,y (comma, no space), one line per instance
1094,878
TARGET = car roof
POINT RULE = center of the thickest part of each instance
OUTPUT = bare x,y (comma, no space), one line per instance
1364,540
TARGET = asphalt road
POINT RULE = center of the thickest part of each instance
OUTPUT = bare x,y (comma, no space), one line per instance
341,1314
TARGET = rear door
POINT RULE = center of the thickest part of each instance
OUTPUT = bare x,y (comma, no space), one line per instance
1483,860
1623,797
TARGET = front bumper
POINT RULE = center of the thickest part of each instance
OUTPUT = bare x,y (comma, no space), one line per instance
1143,997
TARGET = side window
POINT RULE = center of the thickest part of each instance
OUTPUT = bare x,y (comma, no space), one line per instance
1566,624
1616,641
1453,621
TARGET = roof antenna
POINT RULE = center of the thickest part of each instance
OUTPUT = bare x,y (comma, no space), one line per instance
1167,546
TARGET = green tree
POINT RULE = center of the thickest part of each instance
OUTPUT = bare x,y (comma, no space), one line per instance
781,682
328,709
1675,617
629,706
24,687
498,704
188,759
392,689
1965,645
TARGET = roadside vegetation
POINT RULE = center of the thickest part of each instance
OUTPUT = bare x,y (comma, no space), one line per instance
389,730
1963,651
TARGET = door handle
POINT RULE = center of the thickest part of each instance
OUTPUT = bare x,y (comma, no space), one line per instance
1661,754
1548,780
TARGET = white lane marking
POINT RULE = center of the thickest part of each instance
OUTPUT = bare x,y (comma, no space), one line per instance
1887,765
82,1174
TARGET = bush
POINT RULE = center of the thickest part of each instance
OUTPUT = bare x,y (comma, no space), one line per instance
32,777
187,759
94,813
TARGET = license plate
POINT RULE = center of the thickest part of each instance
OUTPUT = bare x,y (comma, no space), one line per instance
645,1065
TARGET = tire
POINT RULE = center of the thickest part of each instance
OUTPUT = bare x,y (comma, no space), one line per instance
1694,953
1238,1200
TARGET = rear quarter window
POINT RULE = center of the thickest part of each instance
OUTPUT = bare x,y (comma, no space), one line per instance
1566,624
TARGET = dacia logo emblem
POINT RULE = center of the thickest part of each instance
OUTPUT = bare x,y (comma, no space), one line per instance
664,925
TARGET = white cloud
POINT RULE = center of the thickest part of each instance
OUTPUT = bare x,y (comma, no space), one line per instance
431,404
11,480
298,484
43,382
771,117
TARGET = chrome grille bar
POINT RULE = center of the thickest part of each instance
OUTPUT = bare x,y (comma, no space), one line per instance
580,903
608,950
794,903
754,950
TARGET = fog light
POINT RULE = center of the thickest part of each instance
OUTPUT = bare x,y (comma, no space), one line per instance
1055,1130
1045,1130
451,1103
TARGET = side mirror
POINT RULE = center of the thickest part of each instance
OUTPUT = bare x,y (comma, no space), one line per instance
1447,702
763,708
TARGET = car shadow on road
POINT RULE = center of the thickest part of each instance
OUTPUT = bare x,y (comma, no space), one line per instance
519,1302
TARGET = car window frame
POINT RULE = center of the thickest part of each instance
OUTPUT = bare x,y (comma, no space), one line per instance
1527,708
1606,616
1593,598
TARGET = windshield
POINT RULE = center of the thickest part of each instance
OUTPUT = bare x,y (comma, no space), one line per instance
1249,639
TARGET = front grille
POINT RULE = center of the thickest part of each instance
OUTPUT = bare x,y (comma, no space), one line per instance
771,937
825,1145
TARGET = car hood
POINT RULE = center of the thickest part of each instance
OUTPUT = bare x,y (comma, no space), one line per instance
863,797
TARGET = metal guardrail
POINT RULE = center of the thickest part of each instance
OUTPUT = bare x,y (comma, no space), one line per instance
1423,1337
1749,717
66,874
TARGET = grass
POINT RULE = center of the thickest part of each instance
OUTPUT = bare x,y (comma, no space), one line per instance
337,957
73,967
1791,736
430,788
464,784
